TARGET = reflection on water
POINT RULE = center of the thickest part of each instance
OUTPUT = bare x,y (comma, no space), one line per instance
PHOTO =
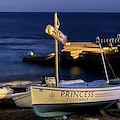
74,71
87,73
33,72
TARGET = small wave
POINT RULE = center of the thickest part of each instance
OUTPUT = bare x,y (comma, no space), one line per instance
37,36
15,83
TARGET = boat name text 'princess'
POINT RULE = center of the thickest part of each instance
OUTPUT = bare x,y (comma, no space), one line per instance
77,94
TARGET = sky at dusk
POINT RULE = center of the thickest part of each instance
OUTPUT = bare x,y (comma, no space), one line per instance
59,5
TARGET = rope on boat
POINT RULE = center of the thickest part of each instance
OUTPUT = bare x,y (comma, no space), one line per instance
104,63
110,66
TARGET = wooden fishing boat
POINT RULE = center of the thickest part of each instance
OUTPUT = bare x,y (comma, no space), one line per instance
67,99
62,99
22,96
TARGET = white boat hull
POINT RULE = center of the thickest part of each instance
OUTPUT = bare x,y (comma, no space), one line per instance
22,99
51,99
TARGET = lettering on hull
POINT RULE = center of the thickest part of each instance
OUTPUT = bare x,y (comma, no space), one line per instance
77,94
71,96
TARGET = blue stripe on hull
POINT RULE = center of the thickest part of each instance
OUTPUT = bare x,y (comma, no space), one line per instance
51,110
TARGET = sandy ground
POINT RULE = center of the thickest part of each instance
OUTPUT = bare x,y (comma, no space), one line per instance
28,114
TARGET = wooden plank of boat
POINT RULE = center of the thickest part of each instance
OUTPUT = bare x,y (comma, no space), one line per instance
22,99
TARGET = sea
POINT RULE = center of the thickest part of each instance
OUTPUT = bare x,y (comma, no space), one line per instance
21,32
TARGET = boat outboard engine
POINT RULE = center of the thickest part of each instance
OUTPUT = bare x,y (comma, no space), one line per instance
49,81
30,53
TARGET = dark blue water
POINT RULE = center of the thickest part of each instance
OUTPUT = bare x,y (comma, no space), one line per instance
23,32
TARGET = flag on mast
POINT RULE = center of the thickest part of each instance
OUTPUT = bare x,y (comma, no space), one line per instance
58,35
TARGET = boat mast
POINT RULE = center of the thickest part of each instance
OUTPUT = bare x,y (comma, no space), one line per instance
56,51
103,62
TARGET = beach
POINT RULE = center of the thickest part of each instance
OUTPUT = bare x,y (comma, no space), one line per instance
28,114
9,111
